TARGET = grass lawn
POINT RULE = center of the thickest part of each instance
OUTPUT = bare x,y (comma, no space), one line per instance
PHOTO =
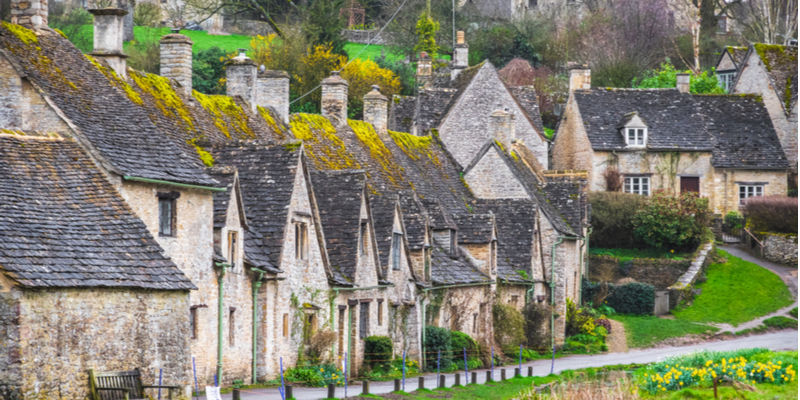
736,291
548,133
645,331
636,253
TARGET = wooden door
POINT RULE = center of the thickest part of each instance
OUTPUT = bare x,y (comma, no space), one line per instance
662,302
690,184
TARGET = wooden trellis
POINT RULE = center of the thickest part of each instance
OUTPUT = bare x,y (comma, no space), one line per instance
354,14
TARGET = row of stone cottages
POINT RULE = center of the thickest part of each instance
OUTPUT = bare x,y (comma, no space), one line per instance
122,247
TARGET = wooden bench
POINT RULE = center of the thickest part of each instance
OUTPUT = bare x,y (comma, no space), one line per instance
125,385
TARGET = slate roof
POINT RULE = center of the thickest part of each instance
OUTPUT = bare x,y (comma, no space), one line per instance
255,252
516,223
402,110
339,196
266,176
781,65
673,122
567,195
62,224
742,130
227,179
383,224
528,100
432,106
475,228
124,135
446,270
415,220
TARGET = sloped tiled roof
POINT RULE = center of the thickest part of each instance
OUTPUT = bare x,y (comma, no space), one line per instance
103,113
781,64
401,113
446,270
673,122
62,224
255,252
339,196
432,106
226,178
383,224
516,222
415,219
742,130
266,177
528,100
567,195
474,228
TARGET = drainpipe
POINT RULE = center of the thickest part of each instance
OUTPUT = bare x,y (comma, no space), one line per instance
256,286
349,337
422,345
584,245
221,282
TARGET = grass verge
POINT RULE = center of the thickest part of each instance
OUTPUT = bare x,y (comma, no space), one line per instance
781,322
645,331
636,253
736,291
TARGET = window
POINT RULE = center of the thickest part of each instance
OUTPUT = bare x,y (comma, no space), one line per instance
453,244
380,312
363,321
285,325
301,240
636,137
193,322
722,24
747,191
232,245
231,326
397,239
726,81
533,3
638,185
514,300
364,238
166,216
310,327
475,323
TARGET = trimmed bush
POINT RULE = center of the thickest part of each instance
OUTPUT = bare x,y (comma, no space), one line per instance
537,325
378,350
781,322
772,214
668,221
633,298
438,339
596,292
460,341
612,219
577,320
509,328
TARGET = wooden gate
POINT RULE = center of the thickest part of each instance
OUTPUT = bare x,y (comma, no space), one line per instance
662,302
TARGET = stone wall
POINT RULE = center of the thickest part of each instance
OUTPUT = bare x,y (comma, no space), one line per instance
681,290
240,75
22,108
29,13
176,60
364,37
780,248
567,274
491,178
246,27
661,273
77,329
464,309
725,196
273,91
571,148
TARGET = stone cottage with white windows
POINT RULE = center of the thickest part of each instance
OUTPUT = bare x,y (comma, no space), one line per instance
722,146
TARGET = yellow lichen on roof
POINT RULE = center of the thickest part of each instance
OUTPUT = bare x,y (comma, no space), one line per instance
22,33
365,132
165,98
414,146
267,115
322,146
205,156
116,81
220,105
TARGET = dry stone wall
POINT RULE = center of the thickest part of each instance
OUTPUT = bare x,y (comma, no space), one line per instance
780,248
661,273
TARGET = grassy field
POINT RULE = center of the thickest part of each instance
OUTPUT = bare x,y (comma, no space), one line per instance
636,253
736,291
645,331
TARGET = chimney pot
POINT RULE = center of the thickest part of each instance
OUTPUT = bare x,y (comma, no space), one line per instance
241,78
108,35
176,59
683,82
580,76
334,98
460,56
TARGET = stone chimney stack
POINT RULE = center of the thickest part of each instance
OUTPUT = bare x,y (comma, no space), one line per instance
273,91
580,77
460,56
334,98
376,110
502,127
108,32
240,76
424,70
29,13
176,59
683,83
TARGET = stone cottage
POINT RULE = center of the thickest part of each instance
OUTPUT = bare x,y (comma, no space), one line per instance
723,147
770,71
729,65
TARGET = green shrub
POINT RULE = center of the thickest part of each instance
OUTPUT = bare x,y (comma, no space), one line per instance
208,70
664,220
633,298
793,312
317,375
667,77
460,341
734,218
772,214
781,322
377,350
509,328
612,219
537,325
596,292
577,319
437,339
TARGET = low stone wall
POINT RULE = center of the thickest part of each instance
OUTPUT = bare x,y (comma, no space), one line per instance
661,273
364,37
780,248
246,27
682,289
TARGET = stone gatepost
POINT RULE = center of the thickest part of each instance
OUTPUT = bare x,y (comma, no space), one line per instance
108,32
334,97
376,111
240,76
29,13
273,91
176,60
502,127
460,56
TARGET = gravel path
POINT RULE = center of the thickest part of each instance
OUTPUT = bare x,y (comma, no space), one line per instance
616,341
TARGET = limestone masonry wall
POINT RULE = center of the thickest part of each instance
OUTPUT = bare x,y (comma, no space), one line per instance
491,178
22,108
780,248
661,273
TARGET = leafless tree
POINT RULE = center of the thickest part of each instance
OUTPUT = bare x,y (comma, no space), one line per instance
767,21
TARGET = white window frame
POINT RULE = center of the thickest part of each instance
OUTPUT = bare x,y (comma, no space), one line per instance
637,184
726,80
639,136
748,191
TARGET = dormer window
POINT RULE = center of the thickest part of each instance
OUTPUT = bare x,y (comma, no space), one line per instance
636,137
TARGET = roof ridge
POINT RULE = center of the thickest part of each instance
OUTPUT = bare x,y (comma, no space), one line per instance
34,135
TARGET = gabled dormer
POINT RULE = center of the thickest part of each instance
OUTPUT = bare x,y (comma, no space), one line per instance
633,130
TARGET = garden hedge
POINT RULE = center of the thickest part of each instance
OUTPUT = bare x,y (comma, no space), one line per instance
378,350
633,298
612,219
438,339
460,341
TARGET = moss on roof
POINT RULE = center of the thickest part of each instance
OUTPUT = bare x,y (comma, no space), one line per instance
772,53
219,105
22,33
365,132
266,113
323,147
416,147
166,100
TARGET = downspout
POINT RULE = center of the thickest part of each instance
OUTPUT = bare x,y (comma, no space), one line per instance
256,287
349,336
221,282
422,324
